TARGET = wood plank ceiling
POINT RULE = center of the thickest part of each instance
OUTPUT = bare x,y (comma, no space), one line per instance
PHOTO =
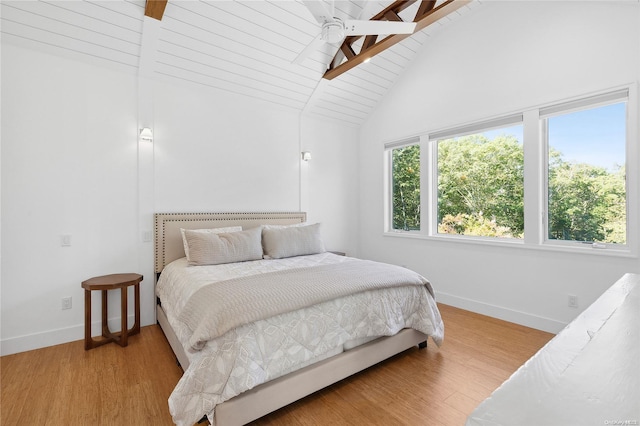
245,47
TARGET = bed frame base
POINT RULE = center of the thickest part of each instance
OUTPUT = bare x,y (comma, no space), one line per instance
280,392
275,394
163,322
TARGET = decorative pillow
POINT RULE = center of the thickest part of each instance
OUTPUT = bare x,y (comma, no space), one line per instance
206,248
209,230
285,226
278,243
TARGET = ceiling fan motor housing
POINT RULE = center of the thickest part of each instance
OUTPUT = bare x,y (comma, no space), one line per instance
332,32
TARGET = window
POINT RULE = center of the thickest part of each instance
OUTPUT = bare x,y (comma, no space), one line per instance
405,187
586,174
557,174
481,184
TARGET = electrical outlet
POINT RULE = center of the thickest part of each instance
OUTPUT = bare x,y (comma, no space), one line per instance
65,240
572,300
66,303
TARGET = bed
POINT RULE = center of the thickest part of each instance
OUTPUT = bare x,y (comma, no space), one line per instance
313,317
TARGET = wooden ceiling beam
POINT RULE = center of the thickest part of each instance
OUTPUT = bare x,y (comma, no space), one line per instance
369,41
155,9
347,50
439,12
429,15
396,7
392,16
425,7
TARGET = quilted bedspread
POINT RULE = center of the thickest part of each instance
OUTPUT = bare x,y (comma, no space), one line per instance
251,352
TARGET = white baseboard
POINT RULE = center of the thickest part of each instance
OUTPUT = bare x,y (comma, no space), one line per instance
522,318
55,337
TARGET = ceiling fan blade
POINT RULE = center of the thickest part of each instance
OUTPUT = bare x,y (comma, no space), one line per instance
319,11
310,48
354,27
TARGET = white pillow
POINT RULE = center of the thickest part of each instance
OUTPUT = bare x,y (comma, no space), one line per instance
209,230
206,248
285,226
278,243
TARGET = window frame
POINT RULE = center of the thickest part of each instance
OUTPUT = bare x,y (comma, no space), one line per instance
465,130
583,104
388,178
535,177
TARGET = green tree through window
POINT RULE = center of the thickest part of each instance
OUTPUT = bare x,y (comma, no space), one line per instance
481,186
406,188
587,193
478,175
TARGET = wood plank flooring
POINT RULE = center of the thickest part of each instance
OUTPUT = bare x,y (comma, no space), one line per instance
110,385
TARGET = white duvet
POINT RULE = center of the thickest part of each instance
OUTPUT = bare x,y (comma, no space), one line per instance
255,353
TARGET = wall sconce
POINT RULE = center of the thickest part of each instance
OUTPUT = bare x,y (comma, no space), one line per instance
146,134
306,155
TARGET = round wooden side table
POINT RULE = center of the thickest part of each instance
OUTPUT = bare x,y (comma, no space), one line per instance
104,283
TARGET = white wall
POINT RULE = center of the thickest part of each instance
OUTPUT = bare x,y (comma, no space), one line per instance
72,164
497,59
330,182
231,154
223,155
68,167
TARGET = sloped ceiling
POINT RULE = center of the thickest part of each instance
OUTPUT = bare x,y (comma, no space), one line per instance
245,47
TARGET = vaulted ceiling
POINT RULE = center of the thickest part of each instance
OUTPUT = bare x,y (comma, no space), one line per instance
245,47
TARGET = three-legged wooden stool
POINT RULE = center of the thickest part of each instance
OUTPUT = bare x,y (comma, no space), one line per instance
104,283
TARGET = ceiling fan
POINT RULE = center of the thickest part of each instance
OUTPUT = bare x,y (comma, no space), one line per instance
333,30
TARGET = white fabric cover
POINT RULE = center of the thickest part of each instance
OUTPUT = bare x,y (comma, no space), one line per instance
209,230
292,241
222,306
588,374
214,249
264,350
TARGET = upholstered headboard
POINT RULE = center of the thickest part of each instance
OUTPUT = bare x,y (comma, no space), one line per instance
168,240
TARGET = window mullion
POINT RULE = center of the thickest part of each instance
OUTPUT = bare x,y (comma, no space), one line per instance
632,169
534,182
426,186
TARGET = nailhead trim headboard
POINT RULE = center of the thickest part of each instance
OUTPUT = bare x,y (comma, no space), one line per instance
168,240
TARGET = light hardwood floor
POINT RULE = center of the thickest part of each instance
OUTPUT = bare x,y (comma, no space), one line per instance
110,385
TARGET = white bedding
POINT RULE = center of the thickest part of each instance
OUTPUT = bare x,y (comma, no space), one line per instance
261,351
586,375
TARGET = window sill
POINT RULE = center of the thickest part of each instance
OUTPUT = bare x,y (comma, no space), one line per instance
517,244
